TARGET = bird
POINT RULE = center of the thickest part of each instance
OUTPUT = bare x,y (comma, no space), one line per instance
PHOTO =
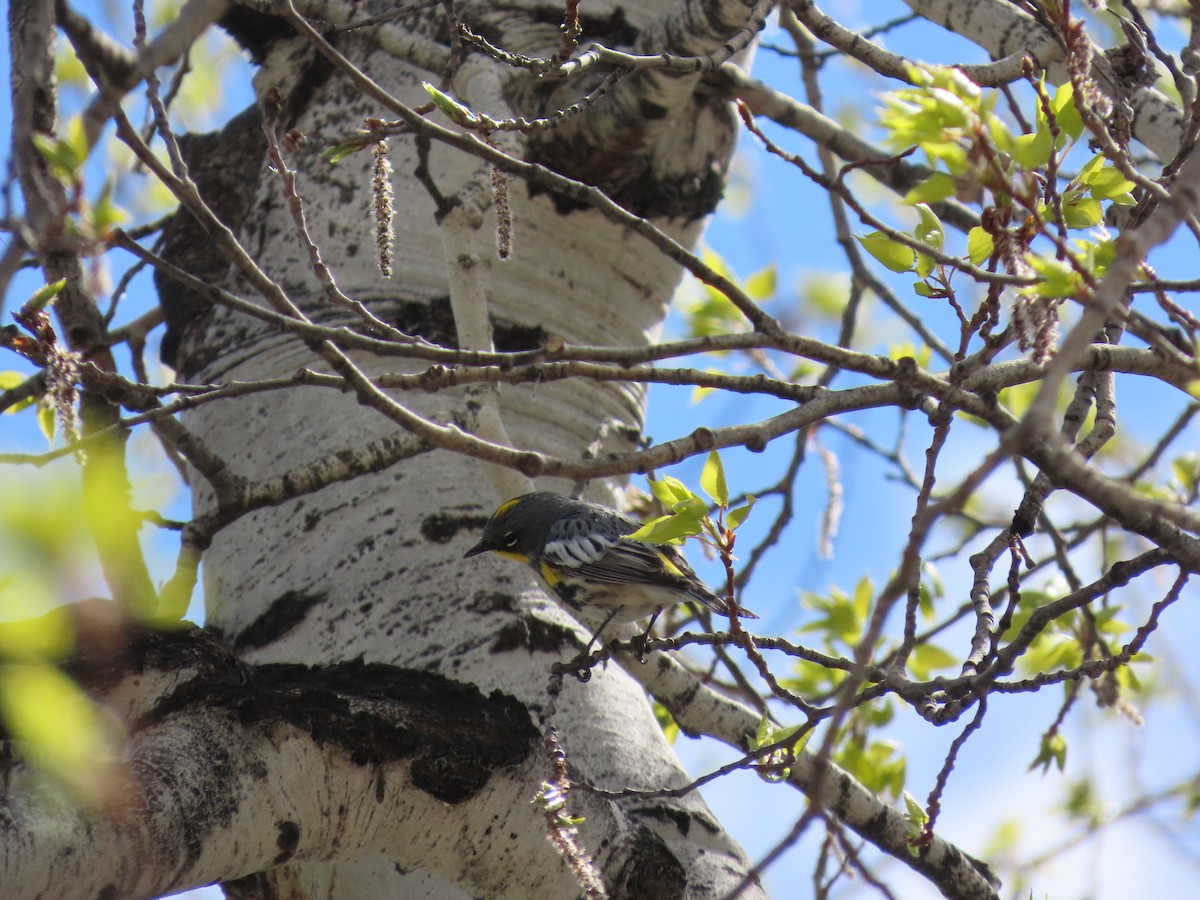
581,551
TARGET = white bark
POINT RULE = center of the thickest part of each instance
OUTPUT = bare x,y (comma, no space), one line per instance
373,567
231,770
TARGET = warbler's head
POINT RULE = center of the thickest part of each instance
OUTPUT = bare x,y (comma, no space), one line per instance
519,527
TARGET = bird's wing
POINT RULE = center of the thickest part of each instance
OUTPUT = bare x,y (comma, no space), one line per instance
594,546
582,538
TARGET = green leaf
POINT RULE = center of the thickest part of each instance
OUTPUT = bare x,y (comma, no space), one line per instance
1094,256
928,658
929,230
877,766
1032,151
839,618
764,729
932,190
454,110
76,138
838,621
1105,181
907,350
666,721
737,516
670,492
1080,211
772,767
803,370
64,155
44,295
1050,651
1186,468
762,284
717,263
1066,112
1000,134
932,582
980,245
712,479
1081,802
1052,750
694,507
59,725
1030,601
10,380
773,735
917,820
1119,193
950,154
30,632
1091,169
339,152
811,678
45,420
824,294
106,213
54,152
668,529
68,70
1127,678
1059,278
914,810
892,254
863,592
1005,839
924,266
712,312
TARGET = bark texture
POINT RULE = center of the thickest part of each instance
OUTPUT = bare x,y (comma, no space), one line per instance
372,568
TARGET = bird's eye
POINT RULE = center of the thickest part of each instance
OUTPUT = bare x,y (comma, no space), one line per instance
509,540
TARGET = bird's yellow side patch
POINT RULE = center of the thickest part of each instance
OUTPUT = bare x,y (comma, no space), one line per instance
550,576
668,565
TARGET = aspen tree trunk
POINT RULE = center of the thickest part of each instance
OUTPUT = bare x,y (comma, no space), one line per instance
371,568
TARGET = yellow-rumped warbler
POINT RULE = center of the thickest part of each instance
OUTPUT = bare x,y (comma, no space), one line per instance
580,551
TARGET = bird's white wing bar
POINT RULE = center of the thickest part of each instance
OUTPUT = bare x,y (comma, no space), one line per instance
575,550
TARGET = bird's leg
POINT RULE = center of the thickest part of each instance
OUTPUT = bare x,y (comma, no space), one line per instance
578,666
643,639
600,630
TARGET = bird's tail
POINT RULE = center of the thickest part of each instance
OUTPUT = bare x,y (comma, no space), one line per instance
717,604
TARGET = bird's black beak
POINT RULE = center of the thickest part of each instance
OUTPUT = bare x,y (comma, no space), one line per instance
476,550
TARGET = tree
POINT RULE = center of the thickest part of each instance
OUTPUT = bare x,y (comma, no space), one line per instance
427,269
